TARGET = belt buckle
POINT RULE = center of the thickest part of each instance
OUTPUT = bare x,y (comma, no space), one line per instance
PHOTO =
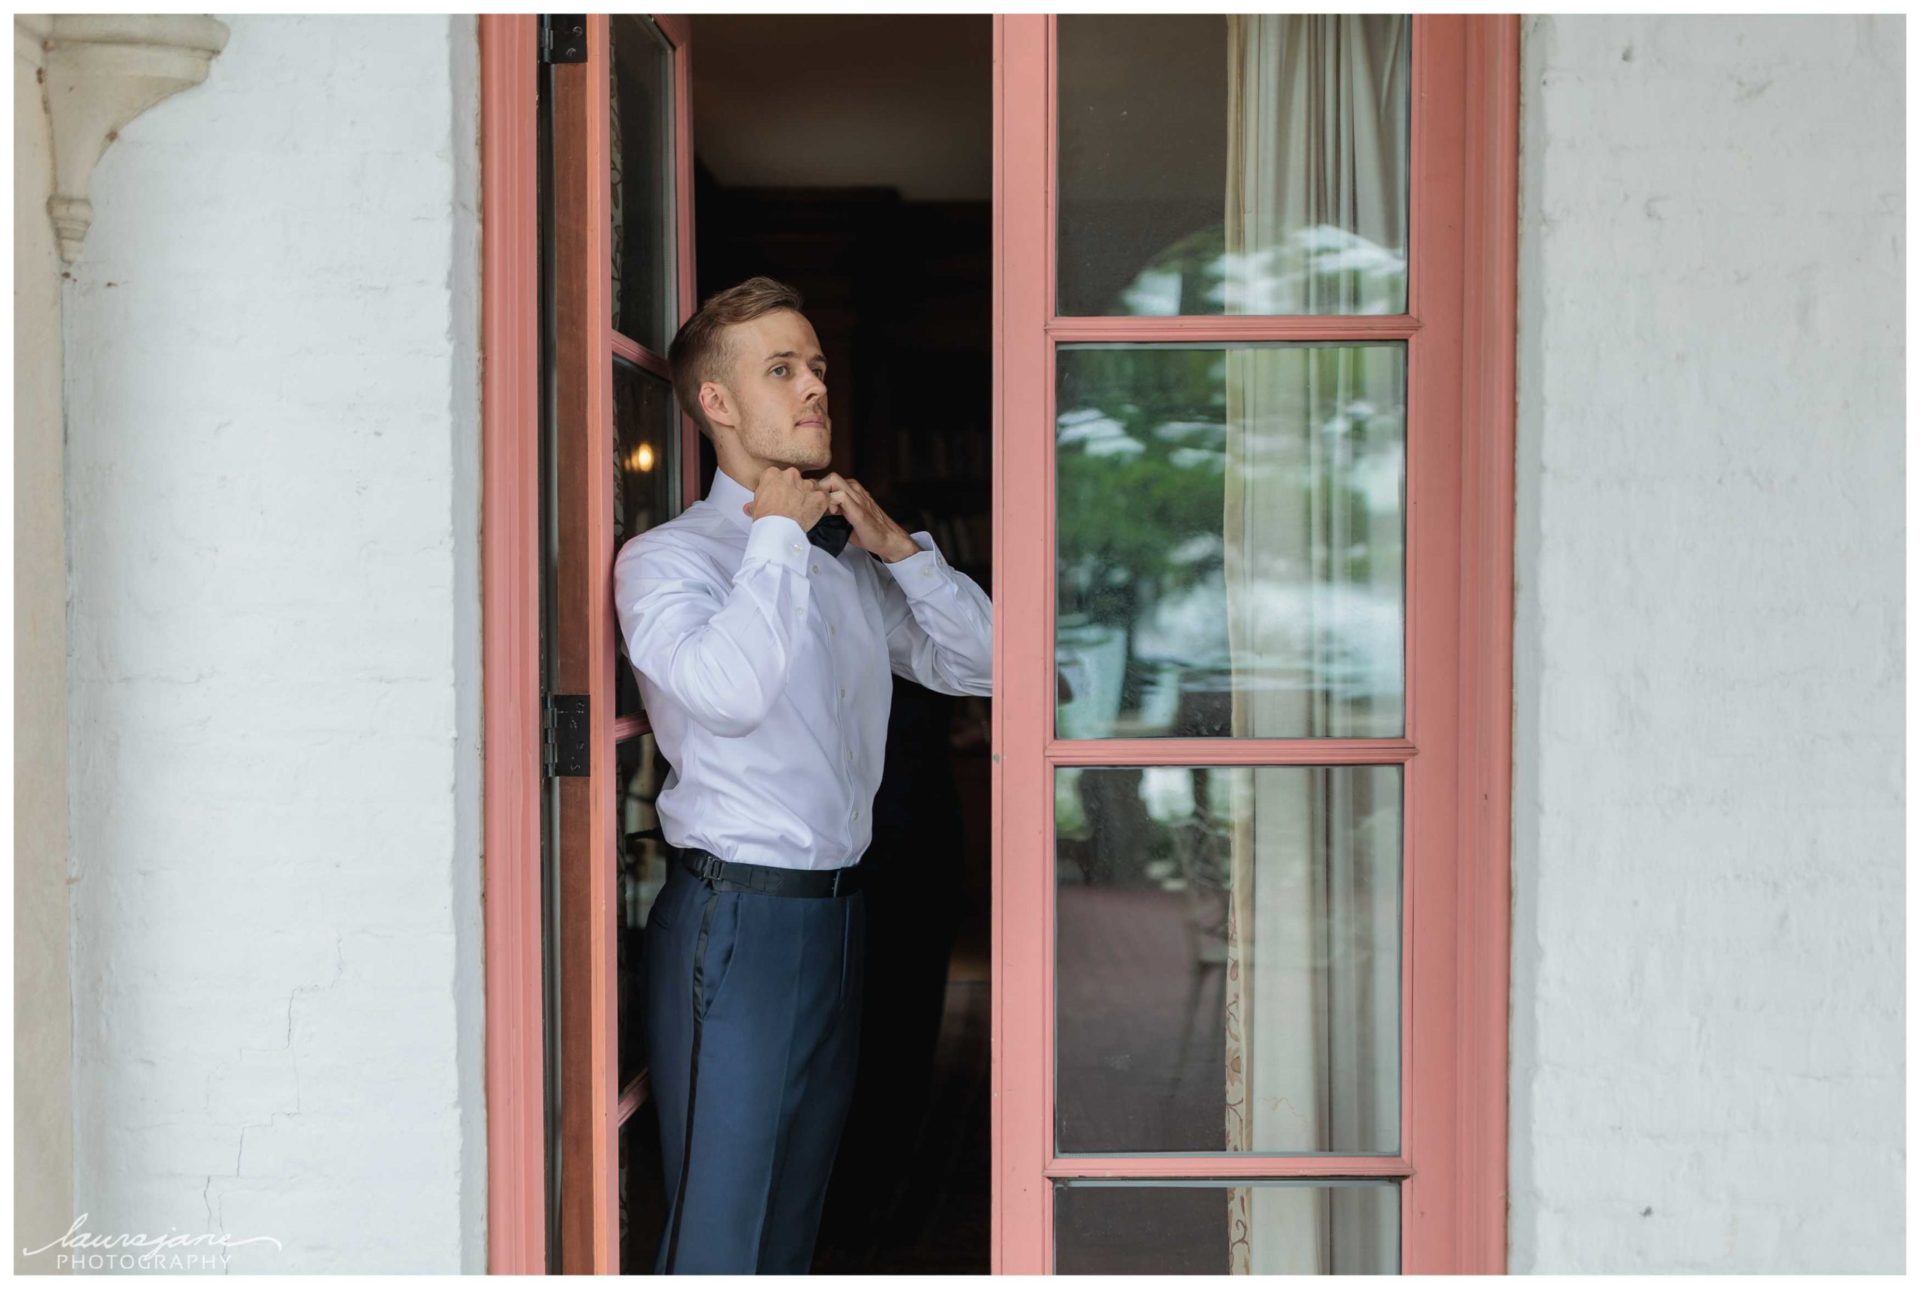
834,890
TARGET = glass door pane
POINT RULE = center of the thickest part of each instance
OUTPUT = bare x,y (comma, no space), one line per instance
646,480
1233,164
1231,533
1227,959
640,156
1220,1228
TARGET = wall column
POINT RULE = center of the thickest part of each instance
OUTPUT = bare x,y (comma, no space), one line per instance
78,79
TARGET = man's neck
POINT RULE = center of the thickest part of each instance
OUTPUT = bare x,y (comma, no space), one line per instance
747,473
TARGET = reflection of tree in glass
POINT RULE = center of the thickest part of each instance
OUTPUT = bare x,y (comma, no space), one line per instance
1140,474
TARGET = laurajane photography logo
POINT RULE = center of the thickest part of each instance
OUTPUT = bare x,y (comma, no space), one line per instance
84,1251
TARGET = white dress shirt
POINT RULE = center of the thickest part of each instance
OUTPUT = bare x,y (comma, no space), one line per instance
764,666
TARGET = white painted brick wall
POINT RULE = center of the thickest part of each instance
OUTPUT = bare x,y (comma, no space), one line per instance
1708,1060
273,509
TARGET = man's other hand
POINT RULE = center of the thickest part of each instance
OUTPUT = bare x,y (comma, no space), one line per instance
873,530
785,492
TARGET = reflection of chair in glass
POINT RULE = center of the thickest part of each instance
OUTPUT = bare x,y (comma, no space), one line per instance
1206,703
1091,659
1200,845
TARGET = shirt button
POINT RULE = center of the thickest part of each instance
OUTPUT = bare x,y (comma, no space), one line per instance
797,546
856,812
816,568
832,630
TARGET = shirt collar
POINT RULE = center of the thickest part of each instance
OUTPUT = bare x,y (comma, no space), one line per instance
729,495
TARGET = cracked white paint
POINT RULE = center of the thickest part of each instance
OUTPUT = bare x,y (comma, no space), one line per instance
273,512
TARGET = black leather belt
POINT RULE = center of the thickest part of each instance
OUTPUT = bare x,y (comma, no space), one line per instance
727,875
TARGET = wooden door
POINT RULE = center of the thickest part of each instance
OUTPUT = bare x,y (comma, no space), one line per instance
1253,432
617,171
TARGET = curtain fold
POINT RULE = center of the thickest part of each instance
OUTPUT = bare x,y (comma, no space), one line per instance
1315,221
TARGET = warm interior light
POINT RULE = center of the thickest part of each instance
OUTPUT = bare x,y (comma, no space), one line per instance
642,458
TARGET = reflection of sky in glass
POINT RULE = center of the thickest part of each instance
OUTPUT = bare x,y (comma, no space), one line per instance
1097,434
1190,628
1306,267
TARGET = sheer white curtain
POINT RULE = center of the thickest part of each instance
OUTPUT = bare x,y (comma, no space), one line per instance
1315,223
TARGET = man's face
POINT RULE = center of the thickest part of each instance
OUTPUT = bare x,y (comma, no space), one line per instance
779,389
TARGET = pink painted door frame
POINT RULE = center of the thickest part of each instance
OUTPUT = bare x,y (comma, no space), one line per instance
1456,757
510,626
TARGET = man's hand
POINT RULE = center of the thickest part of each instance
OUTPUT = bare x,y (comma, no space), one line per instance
872,529
784,492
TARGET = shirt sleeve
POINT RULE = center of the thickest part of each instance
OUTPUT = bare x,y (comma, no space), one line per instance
721,652
939,623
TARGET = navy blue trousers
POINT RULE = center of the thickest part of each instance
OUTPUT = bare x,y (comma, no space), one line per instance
753,1039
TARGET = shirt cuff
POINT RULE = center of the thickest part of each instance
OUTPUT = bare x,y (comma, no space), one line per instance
777,539
923,573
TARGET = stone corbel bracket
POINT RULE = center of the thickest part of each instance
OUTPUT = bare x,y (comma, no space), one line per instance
101,71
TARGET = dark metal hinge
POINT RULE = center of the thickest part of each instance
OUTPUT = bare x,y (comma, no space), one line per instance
566,748
563,38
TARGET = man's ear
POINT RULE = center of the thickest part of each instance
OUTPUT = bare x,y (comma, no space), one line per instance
717,404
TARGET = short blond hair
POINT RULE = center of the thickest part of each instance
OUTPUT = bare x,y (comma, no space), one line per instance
700,352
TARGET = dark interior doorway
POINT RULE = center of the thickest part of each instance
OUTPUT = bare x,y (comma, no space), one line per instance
851,156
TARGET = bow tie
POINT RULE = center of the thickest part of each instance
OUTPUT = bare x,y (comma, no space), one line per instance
831,534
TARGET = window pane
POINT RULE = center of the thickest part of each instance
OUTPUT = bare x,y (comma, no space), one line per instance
640,151
1231,528
646,480
642,870
1223,1228
643,1204
1227,959
1245,163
